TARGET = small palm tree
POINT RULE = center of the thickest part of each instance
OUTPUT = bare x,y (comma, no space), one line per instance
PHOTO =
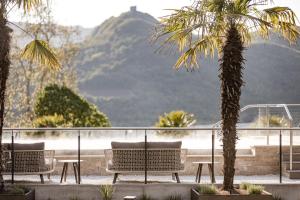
271,121
36,50
225,26
177,118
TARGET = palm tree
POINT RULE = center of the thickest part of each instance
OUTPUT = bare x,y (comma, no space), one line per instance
225,26
36,50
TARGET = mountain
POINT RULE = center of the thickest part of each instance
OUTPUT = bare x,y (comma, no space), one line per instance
120,70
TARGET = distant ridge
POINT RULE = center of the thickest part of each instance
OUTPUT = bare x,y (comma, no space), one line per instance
120,71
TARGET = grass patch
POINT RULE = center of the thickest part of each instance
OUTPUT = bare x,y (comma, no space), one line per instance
106,192
255,189
207,189
15,189
277,197
244,185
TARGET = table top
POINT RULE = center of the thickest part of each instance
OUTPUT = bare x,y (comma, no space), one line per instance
69,161
204,162
130,197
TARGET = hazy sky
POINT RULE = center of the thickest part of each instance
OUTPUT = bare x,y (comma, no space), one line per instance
89,13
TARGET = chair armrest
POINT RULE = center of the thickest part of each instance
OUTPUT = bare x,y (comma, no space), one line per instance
183,155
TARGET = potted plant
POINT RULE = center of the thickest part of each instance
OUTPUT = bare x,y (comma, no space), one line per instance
15,192
245,191
225,28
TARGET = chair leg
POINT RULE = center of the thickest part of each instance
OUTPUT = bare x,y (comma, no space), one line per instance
115,177
49,176
197,174
173,176
42,178
75,172
63,173
177,177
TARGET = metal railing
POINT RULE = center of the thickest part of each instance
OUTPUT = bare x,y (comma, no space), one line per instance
267,107
213,130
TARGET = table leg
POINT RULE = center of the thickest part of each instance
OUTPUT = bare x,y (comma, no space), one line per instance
200,172
63,173
212,177
77,169
66,172
75,172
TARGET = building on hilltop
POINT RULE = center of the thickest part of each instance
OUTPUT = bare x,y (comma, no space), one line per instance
132,8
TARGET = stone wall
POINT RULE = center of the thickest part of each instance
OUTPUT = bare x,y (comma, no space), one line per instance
259,160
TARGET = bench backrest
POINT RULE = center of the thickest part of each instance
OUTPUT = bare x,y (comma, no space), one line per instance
161,156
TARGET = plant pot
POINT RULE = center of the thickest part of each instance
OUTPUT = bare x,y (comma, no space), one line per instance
237,196
28,196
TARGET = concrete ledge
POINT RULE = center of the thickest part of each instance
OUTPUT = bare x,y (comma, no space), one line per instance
159,191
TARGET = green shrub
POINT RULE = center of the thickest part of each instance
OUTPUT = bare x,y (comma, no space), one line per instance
179,118
255,189
207,189
174,197
271,121
106,192
49,121
76,111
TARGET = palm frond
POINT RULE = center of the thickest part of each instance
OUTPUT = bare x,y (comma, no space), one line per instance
201,28
283,21
27,5
40,52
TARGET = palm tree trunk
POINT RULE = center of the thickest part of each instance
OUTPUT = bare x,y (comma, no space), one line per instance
231,67
4,72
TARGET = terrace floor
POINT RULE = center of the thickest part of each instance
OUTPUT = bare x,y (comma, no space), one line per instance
100,180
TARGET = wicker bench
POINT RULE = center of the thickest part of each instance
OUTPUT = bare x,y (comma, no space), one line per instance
29,159
162,157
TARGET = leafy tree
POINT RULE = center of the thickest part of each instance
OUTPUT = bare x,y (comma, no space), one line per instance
27,78
225,26
37,50
177,118
60,100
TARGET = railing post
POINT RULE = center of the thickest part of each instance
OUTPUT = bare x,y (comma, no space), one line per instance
268,124
213,153
146,157
79,179
12,157
280,157
291,147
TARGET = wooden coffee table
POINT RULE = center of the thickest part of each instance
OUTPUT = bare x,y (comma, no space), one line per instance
64,173
210,169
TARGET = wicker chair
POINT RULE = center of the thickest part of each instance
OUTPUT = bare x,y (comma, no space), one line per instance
30,162
162,157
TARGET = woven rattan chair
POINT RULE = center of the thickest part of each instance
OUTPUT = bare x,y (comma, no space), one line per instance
30,162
